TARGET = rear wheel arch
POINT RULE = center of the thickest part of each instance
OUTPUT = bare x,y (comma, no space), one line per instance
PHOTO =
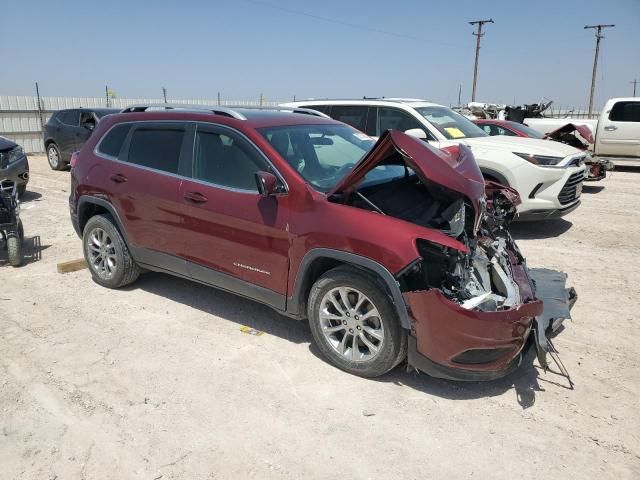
320,260
89,207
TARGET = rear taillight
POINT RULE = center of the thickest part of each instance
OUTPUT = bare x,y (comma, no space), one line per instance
74,159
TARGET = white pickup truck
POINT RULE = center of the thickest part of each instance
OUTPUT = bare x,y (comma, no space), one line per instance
616,132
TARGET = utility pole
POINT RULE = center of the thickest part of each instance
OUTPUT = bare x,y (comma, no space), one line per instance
106,94
164,94
635,82
478,34
599,36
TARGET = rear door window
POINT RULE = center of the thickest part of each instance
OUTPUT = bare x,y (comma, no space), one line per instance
354,115
113,140
69,117
156,147
625,112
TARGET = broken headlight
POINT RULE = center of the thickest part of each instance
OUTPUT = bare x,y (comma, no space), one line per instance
541,160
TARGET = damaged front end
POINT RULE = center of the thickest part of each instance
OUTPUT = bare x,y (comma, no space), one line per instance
472,301
474,311
581,137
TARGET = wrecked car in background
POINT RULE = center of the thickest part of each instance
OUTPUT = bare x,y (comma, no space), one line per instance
577,136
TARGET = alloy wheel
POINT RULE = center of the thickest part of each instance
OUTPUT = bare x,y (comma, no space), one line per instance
53,157
351,324
102,253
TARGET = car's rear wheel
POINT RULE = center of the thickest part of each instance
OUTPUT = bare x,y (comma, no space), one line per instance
54,158
354,324
107,254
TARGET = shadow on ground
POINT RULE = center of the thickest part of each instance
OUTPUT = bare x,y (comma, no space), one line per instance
586,188
31,251
30,197
539,229
526,380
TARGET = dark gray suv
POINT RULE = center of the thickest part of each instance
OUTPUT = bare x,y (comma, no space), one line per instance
14,164
67,130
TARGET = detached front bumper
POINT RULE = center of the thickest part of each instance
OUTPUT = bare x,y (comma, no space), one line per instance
451,342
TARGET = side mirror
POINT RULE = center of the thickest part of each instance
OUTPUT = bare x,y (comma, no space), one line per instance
417,133
89,125
267,183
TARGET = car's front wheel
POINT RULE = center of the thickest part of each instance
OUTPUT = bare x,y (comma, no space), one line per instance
354,323
107,254
54,158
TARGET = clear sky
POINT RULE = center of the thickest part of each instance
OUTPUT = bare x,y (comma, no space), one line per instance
328,48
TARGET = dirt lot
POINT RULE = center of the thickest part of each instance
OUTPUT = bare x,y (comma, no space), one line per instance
157,381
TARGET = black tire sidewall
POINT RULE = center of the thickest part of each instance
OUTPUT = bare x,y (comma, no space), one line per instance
60,165
14,249
395,336
105,223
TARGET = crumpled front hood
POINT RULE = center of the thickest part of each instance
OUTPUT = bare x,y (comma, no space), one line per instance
521,145
454,168
584,132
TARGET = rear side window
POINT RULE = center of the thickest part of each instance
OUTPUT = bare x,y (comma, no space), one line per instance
393,119
353,115
156,147
625,112
113,140
69,117
226,160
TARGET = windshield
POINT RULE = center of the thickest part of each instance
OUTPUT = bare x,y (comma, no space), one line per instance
451,124
324,154
528,131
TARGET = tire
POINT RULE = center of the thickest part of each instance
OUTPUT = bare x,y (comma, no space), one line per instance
14,246
55,158
106,253
22,189
383,331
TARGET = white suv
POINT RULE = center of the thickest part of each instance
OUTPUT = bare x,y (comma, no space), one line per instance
547,175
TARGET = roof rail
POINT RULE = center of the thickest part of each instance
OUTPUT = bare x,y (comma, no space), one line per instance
229,112
233,112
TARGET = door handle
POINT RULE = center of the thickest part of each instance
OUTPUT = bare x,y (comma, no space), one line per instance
610,128
118,178
195,197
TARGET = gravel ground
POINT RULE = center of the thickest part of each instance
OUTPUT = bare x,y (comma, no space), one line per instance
157,381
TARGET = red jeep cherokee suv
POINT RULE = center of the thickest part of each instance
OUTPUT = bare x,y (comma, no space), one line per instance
390,250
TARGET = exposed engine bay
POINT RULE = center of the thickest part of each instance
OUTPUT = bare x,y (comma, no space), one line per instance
481,279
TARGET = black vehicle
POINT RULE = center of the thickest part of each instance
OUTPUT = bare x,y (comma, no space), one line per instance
14,164
11,230
67,130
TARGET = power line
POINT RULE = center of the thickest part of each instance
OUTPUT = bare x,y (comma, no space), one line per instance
349,24
599,36
478,34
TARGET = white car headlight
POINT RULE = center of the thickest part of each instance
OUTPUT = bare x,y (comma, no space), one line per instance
541,160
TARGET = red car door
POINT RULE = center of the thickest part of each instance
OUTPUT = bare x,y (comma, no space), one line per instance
144,187
233,237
